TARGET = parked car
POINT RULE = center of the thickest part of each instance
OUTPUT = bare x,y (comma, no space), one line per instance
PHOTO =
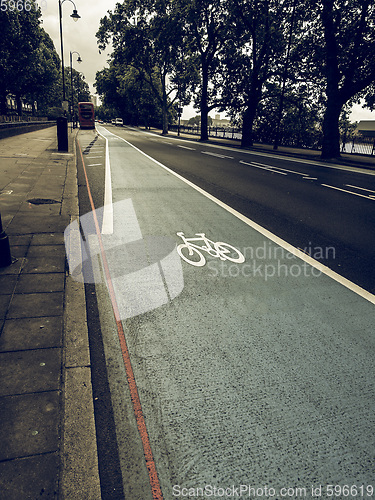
113,121
119,122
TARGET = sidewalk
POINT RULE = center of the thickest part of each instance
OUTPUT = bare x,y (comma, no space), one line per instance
355,160
47,430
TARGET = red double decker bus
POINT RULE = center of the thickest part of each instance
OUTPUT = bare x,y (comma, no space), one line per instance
86,115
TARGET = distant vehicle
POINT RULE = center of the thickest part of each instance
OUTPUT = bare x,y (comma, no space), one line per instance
113,121
86,115
119,122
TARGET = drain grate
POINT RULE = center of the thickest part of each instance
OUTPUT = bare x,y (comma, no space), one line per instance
42,201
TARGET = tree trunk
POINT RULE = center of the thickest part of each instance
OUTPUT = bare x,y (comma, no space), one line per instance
165,119
3,103
19,105
331,133
204,104
164,107
247,124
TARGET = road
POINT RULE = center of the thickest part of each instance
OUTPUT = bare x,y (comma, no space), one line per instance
312,207
246,367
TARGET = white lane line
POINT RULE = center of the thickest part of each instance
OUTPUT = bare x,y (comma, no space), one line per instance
107,224
94,164
280,242
278,168
285,158
350,192
291,171
256,165
310,178
92,157
185,147
216,154
357,187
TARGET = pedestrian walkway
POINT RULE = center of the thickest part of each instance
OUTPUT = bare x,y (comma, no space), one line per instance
47,430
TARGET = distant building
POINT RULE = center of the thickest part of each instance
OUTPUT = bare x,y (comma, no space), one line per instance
220,122
366,128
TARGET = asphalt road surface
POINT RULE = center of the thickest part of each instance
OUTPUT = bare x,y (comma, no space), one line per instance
227,363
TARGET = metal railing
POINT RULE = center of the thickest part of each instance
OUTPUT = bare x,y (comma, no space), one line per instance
25,118
356,145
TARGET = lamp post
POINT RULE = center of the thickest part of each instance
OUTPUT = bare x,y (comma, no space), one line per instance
62,122
79,60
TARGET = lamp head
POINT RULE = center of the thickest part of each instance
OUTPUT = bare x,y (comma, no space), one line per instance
79,60
75,15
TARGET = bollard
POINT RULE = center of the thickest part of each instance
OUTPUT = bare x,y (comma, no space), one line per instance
62,133
5,256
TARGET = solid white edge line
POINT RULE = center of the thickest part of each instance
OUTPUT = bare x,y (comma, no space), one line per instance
279,241
107,224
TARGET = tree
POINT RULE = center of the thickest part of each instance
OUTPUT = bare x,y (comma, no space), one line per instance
349,45
256,59
28,61
147,36
123,91
206,31
20,37
45,75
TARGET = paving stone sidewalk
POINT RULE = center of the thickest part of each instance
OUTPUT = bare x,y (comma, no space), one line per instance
47,431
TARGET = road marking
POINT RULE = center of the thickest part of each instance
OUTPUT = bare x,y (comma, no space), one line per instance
257,165
94,164
287,158
185,147
357,187
350,192
291,171
134,395
216,154
311,178
93,157
107,224
276,239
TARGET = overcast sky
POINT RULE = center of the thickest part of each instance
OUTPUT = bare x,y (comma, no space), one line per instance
80,37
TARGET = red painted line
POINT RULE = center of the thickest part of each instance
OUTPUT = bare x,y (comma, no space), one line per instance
137,407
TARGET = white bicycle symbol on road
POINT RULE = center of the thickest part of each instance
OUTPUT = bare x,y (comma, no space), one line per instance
218,249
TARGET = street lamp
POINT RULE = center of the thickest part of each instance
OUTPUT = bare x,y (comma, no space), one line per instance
79,60
62,123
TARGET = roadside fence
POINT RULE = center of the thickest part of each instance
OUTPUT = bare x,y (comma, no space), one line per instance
354,145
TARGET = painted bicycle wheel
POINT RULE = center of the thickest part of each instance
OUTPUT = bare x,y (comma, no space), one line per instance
191,255
227,252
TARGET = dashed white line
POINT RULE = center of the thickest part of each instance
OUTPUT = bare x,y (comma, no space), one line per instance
256,165
217,155
357,187
185,147
350,192
94,164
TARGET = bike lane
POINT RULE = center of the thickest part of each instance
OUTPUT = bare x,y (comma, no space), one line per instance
255,373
